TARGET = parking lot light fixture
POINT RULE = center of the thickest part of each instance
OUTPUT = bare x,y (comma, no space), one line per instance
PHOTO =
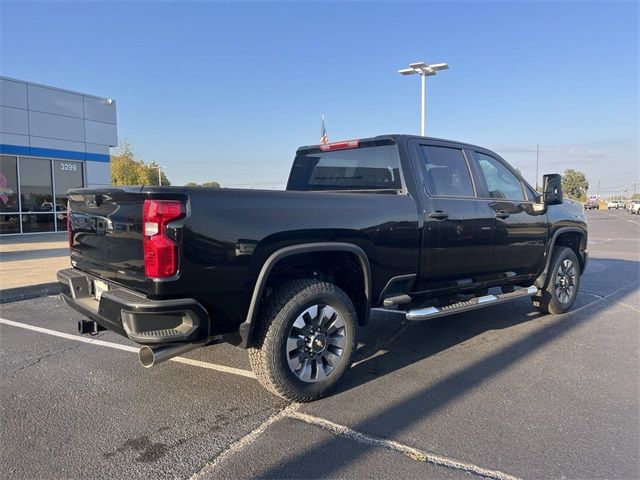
159,173
424,70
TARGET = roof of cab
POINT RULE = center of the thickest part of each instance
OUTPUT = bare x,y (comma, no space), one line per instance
397,138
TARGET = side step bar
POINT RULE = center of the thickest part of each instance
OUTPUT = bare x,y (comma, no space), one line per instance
397,300
479,302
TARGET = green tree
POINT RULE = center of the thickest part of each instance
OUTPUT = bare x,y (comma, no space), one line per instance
203,185
575,184
126,169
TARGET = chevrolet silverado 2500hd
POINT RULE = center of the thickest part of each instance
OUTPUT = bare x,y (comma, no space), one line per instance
426,226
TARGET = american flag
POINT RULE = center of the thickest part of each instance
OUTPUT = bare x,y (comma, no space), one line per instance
324,138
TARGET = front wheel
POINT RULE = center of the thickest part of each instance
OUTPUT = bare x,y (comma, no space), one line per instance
304,340
562,284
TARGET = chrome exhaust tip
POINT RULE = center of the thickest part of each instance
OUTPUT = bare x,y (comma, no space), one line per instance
153,355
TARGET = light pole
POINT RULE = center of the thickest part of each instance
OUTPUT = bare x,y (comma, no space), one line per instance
159,174
424,70
537,163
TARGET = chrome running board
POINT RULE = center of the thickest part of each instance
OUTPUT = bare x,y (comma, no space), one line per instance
478,302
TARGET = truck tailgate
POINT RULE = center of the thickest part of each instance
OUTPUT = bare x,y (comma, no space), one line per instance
105,228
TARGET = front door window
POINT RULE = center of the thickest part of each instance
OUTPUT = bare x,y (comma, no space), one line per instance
501,183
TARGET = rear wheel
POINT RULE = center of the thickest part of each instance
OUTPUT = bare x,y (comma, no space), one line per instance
304,340
563,283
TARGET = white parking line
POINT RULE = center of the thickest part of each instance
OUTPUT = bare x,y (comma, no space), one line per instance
214,366
602,298
68,336
412,453
291,411
127,348
208,470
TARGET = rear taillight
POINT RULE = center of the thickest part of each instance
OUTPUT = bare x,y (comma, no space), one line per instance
160,251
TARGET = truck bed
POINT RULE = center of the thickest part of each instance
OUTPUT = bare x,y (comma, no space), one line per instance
227,234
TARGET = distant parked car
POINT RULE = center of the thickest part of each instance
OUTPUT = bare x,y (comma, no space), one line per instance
592,205
635,207
615,204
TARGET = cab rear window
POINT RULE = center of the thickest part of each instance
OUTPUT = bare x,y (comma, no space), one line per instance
365,168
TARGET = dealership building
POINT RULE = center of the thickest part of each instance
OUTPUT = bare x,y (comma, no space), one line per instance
51,140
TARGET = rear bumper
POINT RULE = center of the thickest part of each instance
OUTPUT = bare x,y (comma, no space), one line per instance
133,315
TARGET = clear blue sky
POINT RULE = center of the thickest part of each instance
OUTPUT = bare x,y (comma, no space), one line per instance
227,91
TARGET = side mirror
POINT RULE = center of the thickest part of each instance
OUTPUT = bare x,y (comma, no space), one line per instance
552,189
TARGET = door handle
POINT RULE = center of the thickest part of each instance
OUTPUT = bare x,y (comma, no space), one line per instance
502,214
439,214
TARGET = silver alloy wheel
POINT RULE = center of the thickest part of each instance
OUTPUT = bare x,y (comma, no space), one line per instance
315,343
565,281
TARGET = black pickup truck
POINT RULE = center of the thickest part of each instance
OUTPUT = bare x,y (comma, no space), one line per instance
426,226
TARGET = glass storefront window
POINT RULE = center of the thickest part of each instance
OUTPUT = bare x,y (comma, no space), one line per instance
9,223
8,184
36,187
67,175
37,222
33,198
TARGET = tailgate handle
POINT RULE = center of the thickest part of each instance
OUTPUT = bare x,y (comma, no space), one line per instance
439,214
502,214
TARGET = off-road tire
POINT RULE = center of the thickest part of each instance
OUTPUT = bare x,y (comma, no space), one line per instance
267,354
546,299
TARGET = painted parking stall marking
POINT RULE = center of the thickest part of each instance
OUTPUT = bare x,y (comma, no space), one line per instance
127,348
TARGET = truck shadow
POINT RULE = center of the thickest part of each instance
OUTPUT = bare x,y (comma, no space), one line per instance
419,341
390,342
384,348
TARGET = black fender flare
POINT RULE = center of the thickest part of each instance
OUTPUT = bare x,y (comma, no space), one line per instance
244,334
541,281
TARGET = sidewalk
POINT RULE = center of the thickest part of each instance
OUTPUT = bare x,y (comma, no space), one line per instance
28,264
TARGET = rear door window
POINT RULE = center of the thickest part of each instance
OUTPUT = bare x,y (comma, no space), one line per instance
446,172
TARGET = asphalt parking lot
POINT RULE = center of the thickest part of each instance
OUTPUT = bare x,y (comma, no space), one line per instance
498,393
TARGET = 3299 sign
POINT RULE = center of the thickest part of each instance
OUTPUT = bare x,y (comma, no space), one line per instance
68,167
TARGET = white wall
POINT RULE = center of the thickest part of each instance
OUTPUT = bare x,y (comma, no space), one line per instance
98,174
42,117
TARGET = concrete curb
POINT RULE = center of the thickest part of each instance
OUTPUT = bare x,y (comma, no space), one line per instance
16,294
